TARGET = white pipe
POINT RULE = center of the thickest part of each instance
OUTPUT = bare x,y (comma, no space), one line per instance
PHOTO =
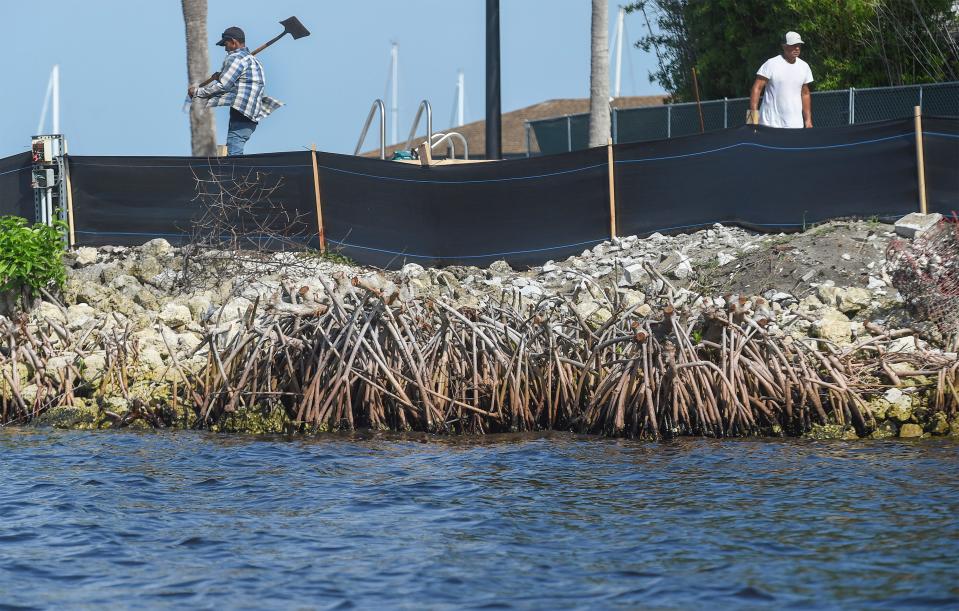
460,99
55,76
394,101
619,51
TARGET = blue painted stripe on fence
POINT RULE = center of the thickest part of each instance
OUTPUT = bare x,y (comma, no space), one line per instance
465,182
768,147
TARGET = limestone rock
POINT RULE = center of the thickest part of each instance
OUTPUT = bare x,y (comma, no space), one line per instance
831,431
57,365
157,248
900,405
49,311
149,338
90,293
151,359
903,344
188,342
910,431
531,291
412,270
885,430
810,303
79,315
175,315
853,299
110,272
939,424
146,299
69,416
631,299
500,268
199,306
847,300
126,286
724,258
633,275
833,327
93,366
85,255
683,270
593,311
234,309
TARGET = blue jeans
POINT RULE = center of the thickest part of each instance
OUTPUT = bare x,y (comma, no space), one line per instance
241,128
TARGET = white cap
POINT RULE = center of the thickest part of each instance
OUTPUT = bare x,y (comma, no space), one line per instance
792,38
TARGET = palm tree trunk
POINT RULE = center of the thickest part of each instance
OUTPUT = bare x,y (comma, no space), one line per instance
599,75
202,125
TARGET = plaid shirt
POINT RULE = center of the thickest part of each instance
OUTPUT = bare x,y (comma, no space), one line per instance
240,86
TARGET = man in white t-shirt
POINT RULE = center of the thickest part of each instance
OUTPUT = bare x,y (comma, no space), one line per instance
786,100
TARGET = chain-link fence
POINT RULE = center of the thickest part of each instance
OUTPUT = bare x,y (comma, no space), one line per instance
830,109
925,271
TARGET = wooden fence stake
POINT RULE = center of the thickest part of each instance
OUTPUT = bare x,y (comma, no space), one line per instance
319,206
72,234
920,162
612,190
699,105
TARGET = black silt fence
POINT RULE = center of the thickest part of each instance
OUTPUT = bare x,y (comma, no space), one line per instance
941,152
130,200
767,178
524,211
16,191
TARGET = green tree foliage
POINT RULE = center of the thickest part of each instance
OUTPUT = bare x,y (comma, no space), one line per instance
30,257
849,43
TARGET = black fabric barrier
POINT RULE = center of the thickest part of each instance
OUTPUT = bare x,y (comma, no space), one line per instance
773,179
16,192
130,200
940,149
524,211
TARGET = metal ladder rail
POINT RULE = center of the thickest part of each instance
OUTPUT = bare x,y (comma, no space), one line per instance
416,122
440,137
378,105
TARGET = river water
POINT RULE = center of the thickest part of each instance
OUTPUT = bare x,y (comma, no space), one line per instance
174,520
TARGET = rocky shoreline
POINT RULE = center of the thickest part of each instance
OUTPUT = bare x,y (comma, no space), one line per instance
133,324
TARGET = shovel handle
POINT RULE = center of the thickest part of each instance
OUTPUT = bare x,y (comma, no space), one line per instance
209,80
269,42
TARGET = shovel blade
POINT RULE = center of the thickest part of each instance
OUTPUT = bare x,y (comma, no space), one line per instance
293,27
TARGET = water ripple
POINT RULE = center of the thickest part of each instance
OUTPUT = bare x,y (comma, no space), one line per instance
553,521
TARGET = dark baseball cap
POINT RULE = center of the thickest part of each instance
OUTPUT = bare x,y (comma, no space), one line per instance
231,33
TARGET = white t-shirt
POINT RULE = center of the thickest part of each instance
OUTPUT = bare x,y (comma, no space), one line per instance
782,100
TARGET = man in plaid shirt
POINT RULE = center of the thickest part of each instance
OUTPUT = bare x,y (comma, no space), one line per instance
239,85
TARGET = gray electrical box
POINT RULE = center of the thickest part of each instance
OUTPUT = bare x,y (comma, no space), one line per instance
49,177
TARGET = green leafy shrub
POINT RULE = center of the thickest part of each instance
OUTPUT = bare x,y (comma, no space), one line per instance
30,257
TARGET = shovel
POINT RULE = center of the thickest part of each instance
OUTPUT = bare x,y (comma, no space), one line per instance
291,26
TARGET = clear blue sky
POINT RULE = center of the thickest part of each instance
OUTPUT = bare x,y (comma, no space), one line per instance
123,66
